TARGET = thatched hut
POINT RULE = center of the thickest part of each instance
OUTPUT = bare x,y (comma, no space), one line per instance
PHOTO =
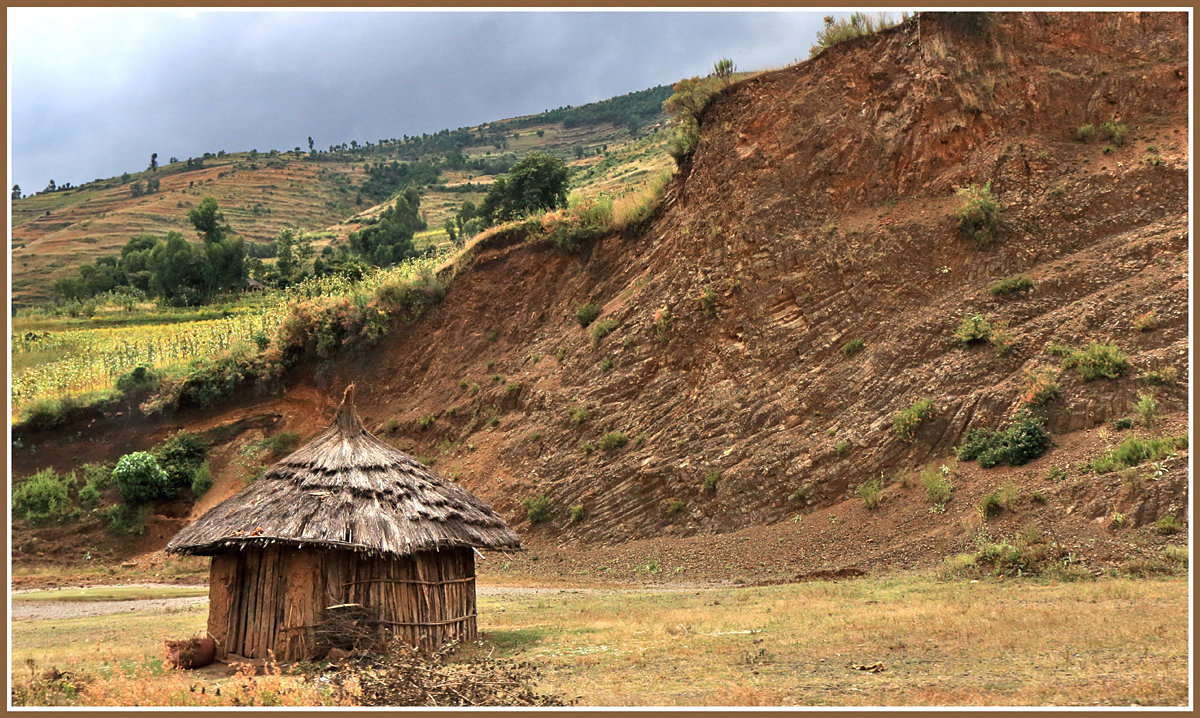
346,542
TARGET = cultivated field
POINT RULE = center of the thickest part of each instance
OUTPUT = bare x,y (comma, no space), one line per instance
887,640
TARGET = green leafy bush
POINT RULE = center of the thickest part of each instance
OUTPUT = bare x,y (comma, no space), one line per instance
537,508
1123,424
579,415
179,456
907,421
585,314
1023,440
44,497
89,496
1098,361
1146,408
140,478
978,214
140,378
1011,285
709,483
853,347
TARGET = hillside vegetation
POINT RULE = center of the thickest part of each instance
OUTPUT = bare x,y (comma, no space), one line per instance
894,308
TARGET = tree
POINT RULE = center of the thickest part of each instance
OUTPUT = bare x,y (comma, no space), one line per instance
310,144
208,220
154,162
390,240
449,227
291,253
16,191
50,186
136,189
177,271
537,183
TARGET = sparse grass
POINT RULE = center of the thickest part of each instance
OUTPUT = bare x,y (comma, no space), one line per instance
576,513
1114,132
1135,450
1085,133
1165,375
937,484
709,482
859,24
603,328
613,440
1166,525
1011,285
1098,361
109,593
871,492
998,501
1146,409
853,347
425,422
674,506
906,421
1146,322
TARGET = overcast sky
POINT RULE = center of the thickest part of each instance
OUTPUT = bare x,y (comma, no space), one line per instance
94,92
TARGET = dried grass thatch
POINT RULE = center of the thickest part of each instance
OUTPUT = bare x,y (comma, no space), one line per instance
347,489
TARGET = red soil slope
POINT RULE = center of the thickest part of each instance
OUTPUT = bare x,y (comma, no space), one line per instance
818,208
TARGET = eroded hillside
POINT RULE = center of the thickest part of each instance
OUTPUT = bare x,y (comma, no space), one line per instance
818,209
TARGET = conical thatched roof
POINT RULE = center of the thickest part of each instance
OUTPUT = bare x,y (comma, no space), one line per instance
347,489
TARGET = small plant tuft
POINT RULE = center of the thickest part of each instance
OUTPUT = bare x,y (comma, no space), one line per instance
853,347
1098,361
577,513
601,329
585,314
613,440
709,483
1011,285
907,421
537,508
978,214
871,492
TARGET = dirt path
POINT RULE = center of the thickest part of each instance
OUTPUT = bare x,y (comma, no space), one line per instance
44,610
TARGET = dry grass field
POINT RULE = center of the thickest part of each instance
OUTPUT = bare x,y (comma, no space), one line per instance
901,639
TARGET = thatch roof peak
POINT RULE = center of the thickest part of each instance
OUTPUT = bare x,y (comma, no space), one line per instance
348,489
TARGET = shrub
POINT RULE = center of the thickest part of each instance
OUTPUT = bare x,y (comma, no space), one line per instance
603,328
44,414
1133,451
1055,349
708,302
1166,525
998,501
841,448
44,497
1023,440
1166,375
140,478
1056,474
1030,553
973,329
1123,423
425,422
281,444
613,440
126,519
800,494
1146,408
577,513
871,492
140,378
1041,386
579,415
1146,322
606,364
1085,133
585,314
1098,361
674,506
201,480
1117,520
1011,285
709,483
907,421
1038,497
1114,131
97,474
978,213
537,508
89,496
853,347
179,456
583,221
936,483
662,320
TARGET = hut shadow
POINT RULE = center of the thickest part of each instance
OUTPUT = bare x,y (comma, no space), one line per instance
514,640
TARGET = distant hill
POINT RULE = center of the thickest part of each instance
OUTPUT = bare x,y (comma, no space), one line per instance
328,191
